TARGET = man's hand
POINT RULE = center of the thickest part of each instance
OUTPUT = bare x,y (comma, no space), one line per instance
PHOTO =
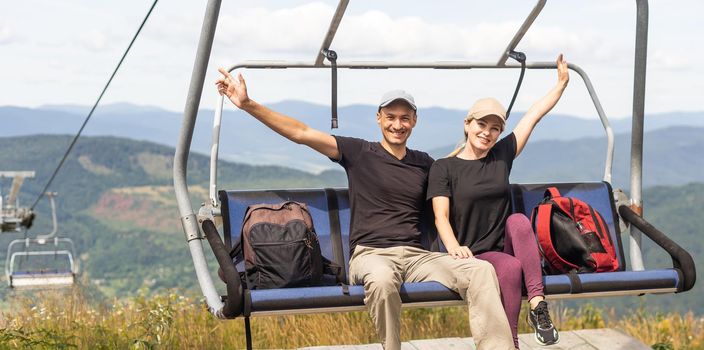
234,89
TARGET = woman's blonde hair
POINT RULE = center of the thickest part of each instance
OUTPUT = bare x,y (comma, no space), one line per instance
457,150
460,145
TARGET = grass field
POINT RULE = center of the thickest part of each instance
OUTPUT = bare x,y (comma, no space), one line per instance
67,319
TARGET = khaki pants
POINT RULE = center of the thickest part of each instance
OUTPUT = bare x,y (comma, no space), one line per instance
383,270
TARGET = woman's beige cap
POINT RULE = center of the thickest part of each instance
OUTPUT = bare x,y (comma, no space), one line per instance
485,107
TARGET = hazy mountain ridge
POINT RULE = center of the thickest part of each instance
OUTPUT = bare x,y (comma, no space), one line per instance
244,139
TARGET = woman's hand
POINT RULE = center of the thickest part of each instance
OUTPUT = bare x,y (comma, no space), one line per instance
563,75
234,89
460,252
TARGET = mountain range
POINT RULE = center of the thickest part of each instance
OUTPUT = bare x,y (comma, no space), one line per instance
245,140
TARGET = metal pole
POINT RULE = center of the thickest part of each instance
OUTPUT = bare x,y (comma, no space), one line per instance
332,29
217,121
604,121
521,31
188,217
641,57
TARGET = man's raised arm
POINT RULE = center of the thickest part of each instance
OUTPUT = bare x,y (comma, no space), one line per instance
290,128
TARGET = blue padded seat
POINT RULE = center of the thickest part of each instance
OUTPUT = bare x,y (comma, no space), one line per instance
42,272
524,198
272,300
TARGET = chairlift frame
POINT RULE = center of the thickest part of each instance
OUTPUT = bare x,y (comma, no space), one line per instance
42,278
211,209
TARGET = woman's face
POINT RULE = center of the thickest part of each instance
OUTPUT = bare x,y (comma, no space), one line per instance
482,134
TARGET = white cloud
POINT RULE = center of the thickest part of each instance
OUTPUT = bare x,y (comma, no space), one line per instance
667,60
6,35
94,40
179,28
375,34
591,35
298,29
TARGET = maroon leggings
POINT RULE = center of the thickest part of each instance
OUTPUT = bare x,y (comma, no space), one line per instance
517,265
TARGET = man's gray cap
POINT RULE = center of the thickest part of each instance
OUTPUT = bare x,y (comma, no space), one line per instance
394,95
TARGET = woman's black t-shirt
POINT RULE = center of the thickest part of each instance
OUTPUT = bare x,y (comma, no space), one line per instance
479,195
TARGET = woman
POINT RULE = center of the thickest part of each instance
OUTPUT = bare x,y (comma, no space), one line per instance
471,200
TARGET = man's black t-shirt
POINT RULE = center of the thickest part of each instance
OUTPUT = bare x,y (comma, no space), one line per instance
479,195
387,195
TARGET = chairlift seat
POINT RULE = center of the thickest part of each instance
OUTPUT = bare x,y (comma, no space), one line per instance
524,198
43,279
35,278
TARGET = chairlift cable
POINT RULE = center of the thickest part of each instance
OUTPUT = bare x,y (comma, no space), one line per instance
95,105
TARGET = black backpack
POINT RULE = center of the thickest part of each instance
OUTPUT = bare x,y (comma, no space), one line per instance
281,250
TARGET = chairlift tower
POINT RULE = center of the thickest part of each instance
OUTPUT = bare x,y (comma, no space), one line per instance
13,217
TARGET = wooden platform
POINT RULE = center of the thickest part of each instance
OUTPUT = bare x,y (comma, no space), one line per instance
589,339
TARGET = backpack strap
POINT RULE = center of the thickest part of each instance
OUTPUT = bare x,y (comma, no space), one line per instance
575,282
236,252
336,232
552,192
542,230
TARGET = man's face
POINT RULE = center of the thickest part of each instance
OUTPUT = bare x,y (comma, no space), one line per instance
396,122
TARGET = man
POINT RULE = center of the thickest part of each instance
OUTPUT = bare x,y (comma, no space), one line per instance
387,184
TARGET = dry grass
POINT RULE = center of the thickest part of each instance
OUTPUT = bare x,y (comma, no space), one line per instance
66,320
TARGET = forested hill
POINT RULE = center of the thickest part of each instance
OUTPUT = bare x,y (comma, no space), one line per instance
98,164
116,202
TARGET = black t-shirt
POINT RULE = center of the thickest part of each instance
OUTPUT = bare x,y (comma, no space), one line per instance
387,195
479,195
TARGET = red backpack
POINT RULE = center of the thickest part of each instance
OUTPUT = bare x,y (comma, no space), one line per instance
572,235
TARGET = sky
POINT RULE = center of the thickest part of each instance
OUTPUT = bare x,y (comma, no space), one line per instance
62,52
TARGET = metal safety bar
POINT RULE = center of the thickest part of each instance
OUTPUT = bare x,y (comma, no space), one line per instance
409,65
54,222
41,253
11,256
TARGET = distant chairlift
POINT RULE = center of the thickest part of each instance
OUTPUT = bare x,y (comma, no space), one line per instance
13,217
43,262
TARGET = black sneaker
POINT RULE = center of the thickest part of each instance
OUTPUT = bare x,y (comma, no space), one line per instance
545,332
